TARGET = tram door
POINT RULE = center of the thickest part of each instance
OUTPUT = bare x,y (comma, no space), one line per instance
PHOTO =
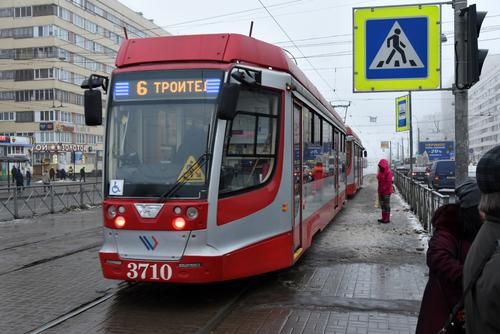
336,143
297,176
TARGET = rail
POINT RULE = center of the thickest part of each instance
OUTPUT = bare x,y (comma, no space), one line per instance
422,200
30,201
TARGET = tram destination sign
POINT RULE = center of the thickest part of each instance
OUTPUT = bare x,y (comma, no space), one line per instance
158,88
397,48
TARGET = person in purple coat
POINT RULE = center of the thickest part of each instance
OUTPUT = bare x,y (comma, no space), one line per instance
455,227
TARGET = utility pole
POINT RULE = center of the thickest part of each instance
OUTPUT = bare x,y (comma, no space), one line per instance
390,153
411,131
403,150
461,99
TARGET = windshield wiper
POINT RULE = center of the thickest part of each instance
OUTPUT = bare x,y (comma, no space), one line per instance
181,180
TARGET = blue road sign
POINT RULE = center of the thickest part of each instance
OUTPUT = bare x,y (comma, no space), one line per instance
397,48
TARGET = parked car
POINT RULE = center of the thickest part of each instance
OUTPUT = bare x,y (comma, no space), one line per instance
442,174
403,169
419,174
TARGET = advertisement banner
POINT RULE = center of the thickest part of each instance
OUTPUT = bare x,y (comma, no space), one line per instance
437,150
384,145
403,113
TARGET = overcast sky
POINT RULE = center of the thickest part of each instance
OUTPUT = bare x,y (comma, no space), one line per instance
322,29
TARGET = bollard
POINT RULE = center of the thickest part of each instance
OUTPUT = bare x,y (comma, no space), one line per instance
16,213
51,192
81,196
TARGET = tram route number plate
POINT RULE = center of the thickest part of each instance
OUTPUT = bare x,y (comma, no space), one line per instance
149,271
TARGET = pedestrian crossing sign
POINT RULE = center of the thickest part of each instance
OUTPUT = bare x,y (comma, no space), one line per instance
397,48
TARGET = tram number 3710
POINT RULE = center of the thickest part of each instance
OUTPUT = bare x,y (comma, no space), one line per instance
149,271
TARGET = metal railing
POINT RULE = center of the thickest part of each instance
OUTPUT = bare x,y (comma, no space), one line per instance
25,202
423,201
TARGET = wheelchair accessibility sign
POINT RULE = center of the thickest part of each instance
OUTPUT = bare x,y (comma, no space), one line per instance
397,48
116,187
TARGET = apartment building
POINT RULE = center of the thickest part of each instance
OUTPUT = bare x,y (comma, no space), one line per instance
47,47
484,110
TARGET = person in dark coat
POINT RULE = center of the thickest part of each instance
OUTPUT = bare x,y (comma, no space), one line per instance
28,177
13,172
384,177
19,179
52,174
455,226
482,302
82,174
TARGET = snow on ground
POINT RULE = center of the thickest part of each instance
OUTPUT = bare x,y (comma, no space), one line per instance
415,224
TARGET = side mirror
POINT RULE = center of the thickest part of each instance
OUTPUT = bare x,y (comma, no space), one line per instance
365,154
228,100
93,107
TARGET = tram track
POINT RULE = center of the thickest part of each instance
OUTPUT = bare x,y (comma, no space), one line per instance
53,258
80,309
122,287
58,237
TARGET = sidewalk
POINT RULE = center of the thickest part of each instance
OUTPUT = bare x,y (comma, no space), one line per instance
359,277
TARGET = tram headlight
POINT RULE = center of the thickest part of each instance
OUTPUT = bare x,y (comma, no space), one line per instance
121,209
177,210
111,211
120,221
179,223
192,213
148,210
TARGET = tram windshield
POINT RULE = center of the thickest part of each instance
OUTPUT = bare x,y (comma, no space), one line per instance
158,126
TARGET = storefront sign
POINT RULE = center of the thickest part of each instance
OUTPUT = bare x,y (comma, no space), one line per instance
59,148
21,140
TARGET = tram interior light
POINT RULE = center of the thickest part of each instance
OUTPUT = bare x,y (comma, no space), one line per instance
148,210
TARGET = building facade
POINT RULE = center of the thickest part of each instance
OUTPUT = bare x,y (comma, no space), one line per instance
47,48
484,110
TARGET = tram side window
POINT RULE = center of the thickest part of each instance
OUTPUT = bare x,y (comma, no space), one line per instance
250,143
328,153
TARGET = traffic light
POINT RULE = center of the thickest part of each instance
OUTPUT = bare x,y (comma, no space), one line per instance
473,57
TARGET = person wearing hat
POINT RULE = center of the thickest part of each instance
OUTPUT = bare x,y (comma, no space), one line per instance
455,227
482,265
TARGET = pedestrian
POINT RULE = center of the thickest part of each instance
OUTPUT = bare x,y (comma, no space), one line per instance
63,174
52,174
385,189
45,179
19,180
70,173
28,177
82,174
455,227
481,274
13,173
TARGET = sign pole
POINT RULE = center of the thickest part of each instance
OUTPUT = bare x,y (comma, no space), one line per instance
461,104
410,112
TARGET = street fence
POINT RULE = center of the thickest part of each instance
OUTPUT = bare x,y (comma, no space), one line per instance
423,201
43,199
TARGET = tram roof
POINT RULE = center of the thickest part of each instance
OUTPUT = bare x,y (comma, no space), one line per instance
225,48
350,132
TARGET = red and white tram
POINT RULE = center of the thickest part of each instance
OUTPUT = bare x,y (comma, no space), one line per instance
222,159
355,163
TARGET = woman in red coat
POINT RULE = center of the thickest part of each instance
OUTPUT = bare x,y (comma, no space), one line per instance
455,226
384,177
